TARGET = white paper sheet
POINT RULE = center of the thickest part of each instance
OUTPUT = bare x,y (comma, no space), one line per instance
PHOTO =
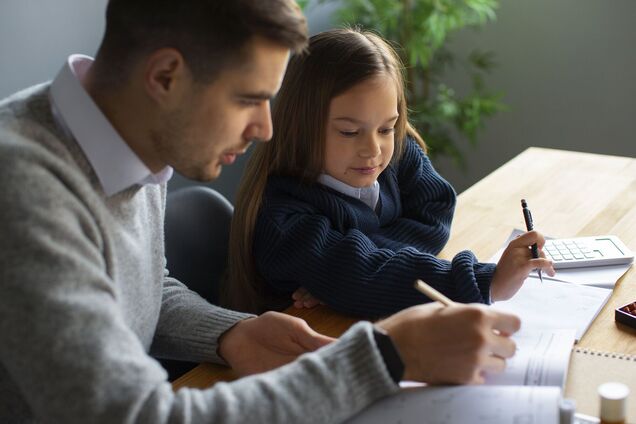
554,305
541,359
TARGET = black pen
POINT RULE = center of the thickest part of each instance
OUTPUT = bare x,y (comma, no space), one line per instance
528,217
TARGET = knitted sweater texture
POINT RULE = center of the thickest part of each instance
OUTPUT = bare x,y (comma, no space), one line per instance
85,299
362,261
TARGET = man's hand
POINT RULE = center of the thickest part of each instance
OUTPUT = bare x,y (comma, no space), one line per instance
515,265
267,342
455,344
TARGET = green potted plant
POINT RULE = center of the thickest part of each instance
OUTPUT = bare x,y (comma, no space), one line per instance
420,30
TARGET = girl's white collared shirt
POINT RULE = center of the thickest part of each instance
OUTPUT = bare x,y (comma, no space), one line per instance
368,195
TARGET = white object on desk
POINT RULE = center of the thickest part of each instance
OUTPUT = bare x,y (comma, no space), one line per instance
541,359
583,252
553,305
466,404
598,276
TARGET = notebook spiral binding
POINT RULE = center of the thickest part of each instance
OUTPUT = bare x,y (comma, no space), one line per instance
592,352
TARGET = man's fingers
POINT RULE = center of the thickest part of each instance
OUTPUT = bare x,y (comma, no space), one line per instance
505,323
502,346
307,337
494,365
312,340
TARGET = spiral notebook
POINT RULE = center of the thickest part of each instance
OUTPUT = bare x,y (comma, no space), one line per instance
589,369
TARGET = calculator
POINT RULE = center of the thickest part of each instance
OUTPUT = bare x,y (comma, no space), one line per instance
587,251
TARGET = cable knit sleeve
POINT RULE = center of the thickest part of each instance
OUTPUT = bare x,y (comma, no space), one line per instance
351,274
70,352
318,239
427,200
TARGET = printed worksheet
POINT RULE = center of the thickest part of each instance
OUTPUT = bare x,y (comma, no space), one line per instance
554,305
541,359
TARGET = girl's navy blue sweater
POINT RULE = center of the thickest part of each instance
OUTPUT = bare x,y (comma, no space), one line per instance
360,261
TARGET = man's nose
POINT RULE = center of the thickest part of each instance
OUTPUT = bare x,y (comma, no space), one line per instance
260,127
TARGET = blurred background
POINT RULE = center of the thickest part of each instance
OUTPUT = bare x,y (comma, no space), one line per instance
560,74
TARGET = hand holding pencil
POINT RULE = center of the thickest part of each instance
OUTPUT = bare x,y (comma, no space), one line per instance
455,344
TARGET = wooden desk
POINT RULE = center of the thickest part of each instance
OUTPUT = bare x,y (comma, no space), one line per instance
570,194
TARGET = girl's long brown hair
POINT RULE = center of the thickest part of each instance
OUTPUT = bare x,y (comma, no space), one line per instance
335,61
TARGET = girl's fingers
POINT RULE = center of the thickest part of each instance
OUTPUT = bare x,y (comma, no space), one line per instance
528,239
299,293
544,264
311,302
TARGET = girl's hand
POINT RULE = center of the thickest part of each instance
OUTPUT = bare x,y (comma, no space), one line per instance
515,265
304,299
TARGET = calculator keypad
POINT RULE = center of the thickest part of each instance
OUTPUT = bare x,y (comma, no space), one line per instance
568,250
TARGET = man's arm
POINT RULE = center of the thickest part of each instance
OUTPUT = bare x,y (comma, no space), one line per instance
70,354
189,327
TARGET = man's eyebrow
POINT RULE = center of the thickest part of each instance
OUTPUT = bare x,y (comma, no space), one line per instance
357,121
260,95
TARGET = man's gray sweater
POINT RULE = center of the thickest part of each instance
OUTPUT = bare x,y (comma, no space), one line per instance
85,298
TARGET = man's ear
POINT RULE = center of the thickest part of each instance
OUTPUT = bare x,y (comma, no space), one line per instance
166,76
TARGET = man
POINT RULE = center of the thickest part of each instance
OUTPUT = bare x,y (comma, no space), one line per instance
85,300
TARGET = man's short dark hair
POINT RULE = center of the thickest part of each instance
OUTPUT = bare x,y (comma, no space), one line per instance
210,34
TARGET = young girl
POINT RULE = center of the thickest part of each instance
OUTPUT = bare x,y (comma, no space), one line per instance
343,206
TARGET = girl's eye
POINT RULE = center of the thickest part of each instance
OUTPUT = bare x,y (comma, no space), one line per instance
387,131
349,133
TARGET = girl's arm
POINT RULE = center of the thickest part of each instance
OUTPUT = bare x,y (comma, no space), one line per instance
428,203
351,274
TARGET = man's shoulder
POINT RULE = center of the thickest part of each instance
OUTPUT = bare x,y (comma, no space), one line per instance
30,138
25,119
28,106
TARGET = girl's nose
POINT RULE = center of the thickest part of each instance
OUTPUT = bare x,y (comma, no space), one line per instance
370,147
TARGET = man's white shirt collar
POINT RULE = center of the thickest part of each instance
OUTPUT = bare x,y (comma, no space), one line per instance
368,195
114,162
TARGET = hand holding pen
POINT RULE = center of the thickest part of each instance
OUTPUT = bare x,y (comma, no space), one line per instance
527,216
516,264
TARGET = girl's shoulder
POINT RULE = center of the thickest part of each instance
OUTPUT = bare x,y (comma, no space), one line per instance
292,194
413,151
413,157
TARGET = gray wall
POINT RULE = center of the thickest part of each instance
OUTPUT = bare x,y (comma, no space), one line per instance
566,66
36,36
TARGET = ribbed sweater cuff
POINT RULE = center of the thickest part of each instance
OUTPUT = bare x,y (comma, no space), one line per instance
464,278
205,335
358,367
483,275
